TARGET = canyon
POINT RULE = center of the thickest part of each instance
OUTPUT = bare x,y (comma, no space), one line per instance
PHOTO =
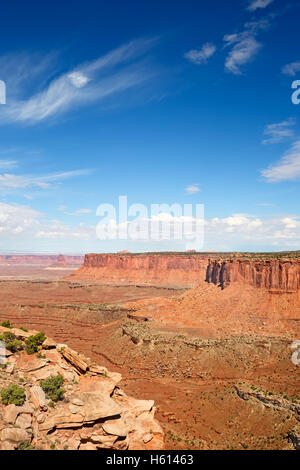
207,336
38,266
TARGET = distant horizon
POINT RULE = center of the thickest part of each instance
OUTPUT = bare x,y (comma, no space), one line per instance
187,252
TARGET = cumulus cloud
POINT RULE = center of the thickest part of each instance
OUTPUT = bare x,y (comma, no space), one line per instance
192,189
258,4
15,219
244,46
78,79
291,69
287,168
250,231
201,56
275,133
23,221
20,222
121,69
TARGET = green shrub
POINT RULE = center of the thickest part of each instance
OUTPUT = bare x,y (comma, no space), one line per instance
7,337
25,446
13,395
6,324
34,341
15,346
11,342
23,328
52,387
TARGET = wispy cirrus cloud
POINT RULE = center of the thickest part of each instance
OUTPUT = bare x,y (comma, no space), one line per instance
287,168
13,181
244,45
8,164
8,151
122,69
275,133
266,204
77,212
21,70
259,4
291,69
201,56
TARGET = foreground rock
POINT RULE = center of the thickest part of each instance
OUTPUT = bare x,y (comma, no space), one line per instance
94,413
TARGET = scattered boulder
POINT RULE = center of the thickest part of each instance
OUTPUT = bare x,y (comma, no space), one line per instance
14,436
38,397
76,359
92,412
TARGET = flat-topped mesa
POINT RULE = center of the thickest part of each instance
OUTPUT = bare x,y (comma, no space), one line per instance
157,269
275,274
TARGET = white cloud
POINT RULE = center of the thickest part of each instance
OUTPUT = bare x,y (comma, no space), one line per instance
226,233
8,150
62,234
20,223
291,69
19,70
266,204
278,132
242,53
16,218
244,230
78,79
7,164
24,221
244,46
9,181
288,168
254,5
200,56
79,212
192,189
122,69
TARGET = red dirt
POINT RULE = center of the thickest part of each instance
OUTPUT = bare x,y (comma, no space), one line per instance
197,346
218,313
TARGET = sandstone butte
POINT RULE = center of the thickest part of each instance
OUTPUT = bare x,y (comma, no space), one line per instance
188,269
94,414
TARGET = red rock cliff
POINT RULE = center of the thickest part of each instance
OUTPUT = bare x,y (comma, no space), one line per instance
275,274
170,270
188,270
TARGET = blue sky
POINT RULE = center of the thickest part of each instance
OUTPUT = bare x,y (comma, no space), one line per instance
165,102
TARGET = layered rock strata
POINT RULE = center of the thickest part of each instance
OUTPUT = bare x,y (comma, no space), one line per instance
94,413
277,274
